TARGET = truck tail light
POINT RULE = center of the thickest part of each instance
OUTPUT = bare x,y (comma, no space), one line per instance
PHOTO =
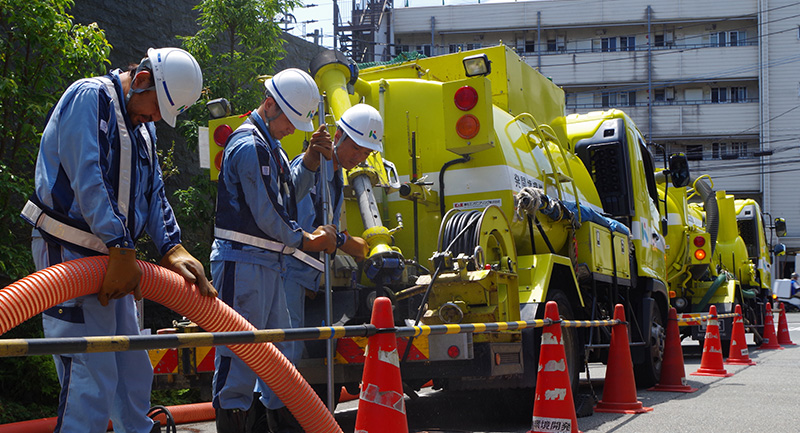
466,98
699,241
468,126
700,254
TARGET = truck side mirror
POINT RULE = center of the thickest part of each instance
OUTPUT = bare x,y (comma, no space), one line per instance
779,250
679,170
780,227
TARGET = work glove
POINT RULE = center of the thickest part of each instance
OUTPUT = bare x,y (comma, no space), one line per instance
122,276
323,239
320,144
178,260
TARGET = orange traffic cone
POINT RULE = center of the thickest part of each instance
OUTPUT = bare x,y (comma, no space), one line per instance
770,340
783,329
673,372
619,392
711,362
381,407
739,354
553,408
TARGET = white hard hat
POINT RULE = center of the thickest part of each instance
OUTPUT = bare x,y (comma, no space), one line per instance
178,81
297,95
363,124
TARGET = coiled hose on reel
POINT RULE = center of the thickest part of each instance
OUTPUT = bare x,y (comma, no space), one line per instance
37,292
452,236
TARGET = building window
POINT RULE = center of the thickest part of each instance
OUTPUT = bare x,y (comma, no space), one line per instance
718,39
737,38
658,40
659,95
474,46
719,95
609,100
424,49
718,150
739,149
694,152
551,45
739,94
627,99
456,48
530,46
627,43
400,49
608,44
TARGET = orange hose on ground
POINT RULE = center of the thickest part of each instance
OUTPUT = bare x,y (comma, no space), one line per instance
181,414
51,286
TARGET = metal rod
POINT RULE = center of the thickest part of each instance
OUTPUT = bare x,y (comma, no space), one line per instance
326,200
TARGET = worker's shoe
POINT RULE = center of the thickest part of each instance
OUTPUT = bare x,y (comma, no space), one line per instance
282,421
231,420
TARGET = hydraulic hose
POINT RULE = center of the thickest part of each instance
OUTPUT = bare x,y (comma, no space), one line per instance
706,192
35,293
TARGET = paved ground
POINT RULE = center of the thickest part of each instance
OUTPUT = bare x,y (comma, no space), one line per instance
760,398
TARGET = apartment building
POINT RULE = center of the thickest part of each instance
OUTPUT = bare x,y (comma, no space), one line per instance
716,80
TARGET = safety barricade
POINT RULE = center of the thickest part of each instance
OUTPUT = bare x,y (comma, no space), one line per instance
622,397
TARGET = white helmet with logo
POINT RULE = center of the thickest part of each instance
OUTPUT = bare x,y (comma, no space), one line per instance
178,81
297,95
363,124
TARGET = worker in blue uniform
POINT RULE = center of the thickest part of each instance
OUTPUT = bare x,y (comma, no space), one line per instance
256,228
98,187
359,133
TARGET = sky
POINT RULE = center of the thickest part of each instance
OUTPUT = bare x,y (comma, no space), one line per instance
322,13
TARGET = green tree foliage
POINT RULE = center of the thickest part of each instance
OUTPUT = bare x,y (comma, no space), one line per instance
237,42
41,52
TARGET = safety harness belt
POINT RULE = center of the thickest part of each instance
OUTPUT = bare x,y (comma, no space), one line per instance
267,244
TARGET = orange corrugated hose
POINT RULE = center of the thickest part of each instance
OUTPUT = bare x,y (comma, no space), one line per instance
35,293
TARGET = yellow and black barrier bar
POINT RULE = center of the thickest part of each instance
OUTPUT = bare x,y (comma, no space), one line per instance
121,343
590,323
689,319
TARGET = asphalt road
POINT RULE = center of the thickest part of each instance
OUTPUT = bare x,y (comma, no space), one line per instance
760,398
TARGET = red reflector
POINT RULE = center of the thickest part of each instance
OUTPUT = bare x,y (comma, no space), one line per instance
699,241
466,98
218,160
221,134
700,254
468,126
453,351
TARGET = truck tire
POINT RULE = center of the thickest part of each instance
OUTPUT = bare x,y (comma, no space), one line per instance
570,337
648,372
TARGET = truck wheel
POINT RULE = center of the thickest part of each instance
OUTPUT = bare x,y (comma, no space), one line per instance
569,336
648,372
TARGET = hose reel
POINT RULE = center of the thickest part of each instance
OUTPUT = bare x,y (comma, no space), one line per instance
476,239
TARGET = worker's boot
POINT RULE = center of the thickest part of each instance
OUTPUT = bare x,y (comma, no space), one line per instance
282,421
231,420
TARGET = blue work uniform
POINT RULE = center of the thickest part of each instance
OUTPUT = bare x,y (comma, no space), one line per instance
98,184
255,231
299,276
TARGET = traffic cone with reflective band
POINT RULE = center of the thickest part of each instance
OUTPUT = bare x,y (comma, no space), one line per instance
783,329
770,339
739,355
711,362
673,372
553,408
619,393
381,408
